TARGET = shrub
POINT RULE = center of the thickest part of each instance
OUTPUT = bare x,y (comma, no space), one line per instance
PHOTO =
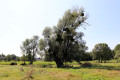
13,63
86,64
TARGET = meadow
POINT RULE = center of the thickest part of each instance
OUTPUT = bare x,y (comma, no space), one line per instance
41,70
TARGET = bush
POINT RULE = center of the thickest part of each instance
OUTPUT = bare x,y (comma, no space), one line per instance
13,63
86,64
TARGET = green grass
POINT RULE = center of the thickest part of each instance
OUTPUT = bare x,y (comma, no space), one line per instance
41,70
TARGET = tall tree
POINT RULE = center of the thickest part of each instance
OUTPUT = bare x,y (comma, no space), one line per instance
34,47
30,48
102,52
63,43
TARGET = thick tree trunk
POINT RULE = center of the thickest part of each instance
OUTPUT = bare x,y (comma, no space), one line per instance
31,62
32,59
59,63
105,61
24,61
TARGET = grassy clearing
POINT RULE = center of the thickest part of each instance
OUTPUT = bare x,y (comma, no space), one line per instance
41,71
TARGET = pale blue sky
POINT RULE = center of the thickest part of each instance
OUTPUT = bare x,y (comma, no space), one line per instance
21,19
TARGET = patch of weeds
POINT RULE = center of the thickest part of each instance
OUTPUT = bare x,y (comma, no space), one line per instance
21,69
42,71
93,77
29,74
4,75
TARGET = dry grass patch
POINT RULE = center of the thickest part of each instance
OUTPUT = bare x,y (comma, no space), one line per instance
64,75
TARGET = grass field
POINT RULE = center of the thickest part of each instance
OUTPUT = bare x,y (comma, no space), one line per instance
47,71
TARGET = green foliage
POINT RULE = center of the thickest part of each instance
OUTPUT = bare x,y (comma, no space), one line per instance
117,51
30,47
117,48
48,57
102,52
86,56
9,57
63,43
23,58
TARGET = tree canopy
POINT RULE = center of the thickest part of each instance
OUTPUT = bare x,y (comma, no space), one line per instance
102,52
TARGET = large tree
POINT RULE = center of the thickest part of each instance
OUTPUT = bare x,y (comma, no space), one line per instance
63,43
30,48
102,52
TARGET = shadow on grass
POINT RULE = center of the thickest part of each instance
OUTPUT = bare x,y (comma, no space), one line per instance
99,67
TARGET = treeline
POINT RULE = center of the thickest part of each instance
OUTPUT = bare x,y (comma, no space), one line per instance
13,57
9,57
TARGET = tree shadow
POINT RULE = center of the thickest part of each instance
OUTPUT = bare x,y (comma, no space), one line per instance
105,67
98,66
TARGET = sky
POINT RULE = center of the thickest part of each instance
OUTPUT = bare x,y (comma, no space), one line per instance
21,19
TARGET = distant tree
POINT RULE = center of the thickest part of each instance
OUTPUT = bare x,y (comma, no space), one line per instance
30,48
2,57
23,58
9,57
13,57
117,48
117,51
102,52
63,43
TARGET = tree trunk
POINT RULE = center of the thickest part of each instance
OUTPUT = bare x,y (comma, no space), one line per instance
32,59
24,61
100,60
105,61
59,63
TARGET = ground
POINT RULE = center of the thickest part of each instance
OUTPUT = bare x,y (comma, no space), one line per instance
41,70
